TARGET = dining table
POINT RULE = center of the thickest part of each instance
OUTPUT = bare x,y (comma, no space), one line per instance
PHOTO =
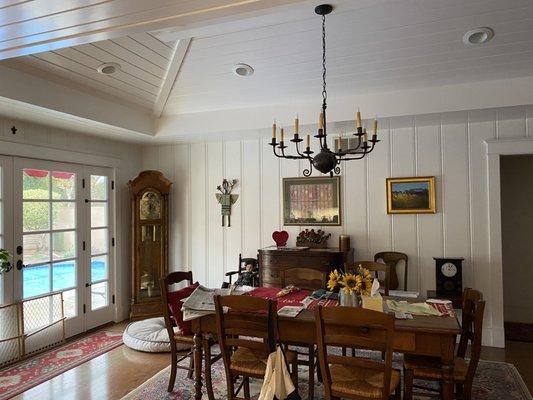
425,335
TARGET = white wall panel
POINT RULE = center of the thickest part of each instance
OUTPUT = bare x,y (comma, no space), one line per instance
251,198
180,217
271,210
378,168
481,127
512,122
430,239
215,232
233,234
199,213
455,184
403,162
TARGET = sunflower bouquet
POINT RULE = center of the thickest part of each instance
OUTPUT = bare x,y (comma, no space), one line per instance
358,282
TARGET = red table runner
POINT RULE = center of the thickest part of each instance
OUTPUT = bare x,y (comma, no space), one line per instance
291,299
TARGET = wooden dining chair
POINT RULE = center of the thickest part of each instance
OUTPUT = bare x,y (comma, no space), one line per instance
179,341
243,334
356,377
375,268
306,279
393,258
430,368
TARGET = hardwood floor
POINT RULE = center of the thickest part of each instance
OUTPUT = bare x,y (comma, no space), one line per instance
109,376
114,374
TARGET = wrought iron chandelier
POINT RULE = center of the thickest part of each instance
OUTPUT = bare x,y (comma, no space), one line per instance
326,160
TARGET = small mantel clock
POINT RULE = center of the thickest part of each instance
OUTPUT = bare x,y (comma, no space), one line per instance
449,275
149,196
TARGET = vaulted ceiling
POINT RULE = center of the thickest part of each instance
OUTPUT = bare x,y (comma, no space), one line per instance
176,56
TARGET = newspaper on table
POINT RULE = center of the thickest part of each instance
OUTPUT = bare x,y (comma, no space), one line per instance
202,301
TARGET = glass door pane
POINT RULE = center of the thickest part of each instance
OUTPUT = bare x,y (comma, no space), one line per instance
99,241
48,225
99,297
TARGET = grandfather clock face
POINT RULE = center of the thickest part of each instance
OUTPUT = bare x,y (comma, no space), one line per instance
150,205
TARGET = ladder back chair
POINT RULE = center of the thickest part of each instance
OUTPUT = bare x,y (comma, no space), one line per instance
429,368
356,377
180,340
375,268
243,335
393,258
306,279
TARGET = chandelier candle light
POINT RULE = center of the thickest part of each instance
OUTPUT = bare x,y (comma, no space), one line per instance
326,160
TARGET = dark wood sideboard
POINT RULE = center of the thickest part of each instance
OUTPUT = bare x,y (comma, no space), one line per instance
273,262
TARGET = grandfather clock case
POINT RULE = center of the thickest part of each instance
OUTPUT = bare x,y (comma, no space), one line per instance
150,229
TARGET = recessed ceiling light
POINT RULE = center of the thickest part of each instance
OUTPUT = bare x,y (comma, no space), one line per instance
243,70
478,36
108,68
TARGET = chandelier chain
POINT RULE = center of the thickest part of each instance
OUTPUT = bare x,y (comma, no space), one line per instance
324,91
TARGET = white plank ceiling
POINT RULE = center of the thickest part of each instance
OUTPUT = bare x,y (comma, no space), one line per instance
373,46
143,61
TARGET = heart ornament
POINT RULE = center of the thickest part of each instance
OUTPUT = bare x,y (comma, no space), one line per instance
280,237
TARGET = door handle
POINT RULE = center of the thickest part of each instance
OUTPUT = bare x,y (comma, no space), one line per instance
20,265
88,284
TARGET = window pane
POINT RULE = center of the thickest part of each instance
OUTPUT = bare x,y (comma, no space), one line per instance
64,245
63,185
64,215
98,187
35,280
35,216
98,295
70,303
64,275
36,248
98,241
98,214
98,268
35,184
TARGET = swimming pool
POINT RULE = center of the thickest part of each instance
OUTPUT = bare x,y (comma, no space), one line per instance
36,280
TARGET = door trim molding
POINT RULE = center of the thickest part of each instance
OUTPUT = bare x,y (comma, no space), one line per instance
495,148
59,155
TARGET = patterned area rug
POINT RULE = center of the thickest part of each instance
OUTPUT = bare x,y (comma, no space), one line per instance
35,370
493,381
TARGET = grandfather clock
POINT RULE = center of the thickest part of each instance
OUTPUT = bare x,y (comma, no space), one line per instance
149,198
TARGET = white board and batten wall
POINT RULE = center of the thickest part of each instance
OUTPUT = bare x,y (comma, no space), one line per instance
450,146
61,145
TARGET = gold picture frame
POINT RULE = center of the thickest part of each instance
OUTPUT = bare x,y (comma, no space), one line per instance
313,201
411,195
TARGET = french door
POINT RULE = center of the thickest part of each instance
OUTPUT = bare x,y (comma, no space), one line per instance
63,237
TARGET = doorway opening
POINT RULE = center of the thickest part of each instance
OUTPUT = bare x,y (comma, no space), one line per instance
516,177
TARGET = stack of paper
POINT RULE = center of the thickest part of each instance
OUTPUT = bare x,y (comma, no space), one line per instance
412,308
201,302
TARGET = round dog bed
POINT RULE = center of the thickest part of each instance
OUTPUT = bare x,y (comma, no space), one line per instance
149,335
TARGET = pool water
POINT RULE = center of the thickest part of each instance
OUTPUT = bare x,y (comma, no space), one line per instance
36,280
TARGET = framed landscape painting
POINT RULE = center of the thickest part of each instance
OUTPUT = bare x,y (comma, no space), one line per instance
312,201
411,195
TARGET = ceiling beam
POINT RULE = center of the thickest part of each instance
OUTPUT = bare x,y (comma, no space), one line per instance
45,31
174,66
